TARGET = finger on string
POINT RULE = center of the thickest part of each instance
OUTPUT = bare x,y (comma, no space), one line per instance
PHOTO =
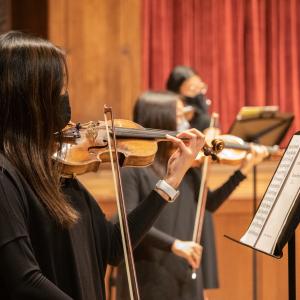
252,149
186,134
172,138
191,138
177,142
200,138
198,133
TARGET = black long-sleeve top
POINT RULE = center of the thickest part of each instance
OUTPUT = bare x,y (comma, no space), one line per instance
41,260
161,274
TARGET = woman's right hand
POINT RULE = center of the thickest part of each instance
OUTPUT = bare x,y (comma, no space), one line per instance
190,251
185,154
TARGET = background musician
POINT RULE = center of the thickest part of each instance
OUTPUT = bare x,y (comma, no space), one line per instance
164,256
186,81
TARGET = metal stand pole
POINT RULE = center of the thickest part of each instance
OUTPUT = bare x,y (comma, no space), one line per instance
254,255
292,267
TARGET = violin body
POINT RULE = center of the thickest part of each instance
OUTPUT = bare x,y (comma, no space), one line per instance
232,155
84,148
236,149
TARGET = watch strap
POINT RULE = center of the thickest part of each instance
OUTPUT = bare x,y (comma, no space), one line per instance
167,189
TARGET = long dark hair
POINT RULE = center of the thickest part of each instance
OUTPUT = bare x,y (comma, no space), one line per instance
177,76
32,72
158,110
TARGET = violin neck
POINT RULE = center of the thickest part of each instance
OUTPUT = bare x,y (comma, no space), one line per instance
148,133
247,146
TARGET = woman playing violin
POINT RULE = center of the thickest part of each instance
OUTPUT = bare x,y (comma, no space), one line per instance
55,242
186,81
165,256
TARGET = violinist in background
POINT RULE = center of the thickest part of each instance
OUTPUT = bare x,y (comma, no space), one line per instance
165,256
185,81
55,242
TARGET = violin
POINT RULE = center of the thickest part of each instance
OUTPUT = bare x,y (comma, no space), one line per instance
235,150
85,146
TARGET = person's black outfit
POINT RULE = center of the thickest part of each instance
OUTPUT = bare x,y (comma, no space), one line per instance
161,274
40,260
201,118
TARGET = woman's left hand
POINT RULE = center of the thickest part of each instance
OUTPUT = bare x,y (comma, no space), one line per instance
254,157
189,143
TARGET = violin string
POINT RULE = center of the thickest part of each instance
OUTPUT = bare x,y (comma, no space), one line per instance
141,134
147,132
150,133
140,131
229,145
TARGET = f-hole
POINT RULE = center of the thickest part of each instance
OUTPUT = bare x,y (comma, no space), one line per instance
121,156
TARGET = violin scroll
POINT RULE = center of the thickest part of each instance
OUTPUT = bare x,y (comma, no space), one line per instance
217,146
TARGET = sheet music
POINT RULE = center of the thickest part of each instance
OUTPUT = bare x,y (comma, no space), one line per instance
277,202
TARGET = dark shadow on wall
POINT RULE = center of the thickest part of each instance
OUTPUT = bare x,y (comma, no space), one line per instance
27,15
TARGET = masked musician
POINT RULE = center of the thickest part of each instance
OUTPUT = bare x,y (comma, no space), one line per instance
186,81
55,242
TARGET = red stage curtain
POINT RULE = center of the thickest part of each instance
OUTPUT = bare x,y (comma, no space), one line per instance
247,51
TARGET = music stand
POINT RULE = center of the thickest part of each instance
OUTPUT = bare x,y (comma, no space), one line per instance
263,125
292,219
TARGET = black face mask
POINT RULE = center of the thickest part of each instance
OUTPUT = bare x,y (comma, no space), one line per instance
63,112
198,101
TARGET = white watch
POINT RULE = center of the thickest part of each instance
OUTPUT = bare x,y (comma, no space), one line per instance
168,189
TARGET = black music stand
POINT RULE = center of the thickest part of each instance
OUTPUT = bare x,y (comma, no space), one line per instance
263,125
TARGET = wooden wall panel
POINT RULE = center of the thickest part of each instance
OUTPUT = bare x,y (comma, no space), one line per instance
5,15
102,40
30,16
